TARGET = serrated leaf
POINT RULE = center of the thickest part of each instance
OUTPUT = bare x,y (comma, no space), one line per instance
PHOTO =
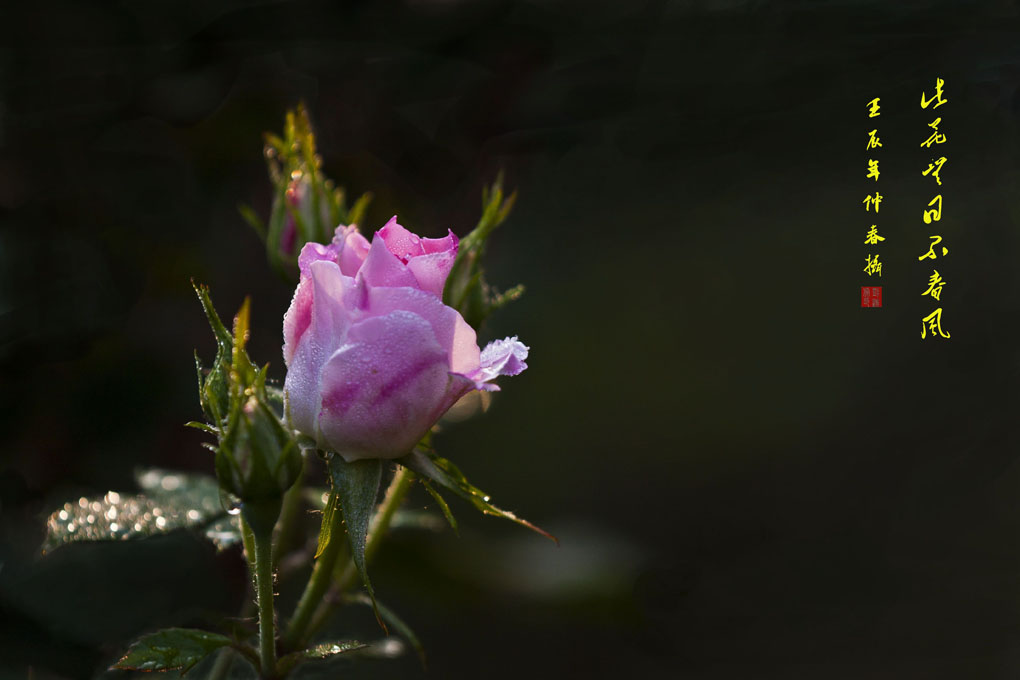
441,502
168,501
171,649
398,623
446,474
357,485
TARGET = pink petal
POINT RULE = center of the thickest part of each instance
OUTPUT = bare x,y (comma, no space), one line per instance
452,333
502,357
383,390
441,245
400,241
383,268
353,249
327,329
314,252
430,271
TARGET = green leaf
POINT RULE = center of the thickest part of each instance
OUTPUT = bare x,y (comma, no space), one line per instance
357,485
325,650
171,649
325,530
168,501
442,504
446,474
330,649
390,617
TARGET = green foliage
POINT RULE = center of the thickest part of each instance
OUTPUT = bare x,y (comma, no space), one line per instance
441,471
324,650
169,501
466,288
357,485
171,649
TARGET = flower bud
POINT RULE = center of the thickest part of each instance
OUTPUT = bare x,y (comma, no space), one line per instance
374,357
257,457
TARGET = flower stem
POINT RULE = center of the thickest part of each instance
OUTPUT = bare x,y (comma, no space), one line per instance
317,585
395,494
264,587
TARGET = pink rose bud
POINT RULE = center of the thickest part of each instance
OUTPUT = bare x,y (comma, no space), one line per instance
374,357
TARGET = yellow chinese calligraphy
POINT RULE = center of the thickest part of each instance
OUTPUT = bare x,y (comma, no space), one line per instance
935,240
933,169
873,238
872,169
873,108
873,141
934,322
939,101
935,138
935,283
873,266
872,200
935,215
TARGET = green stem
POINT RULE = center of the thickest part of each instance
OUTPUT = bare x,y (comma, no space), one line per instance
395,494
290,513
264,590
317,584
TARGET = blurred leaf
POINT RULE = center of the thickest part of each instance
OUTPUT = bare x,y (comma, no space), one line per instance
325,650
417,519
398,623
357,211
442,504
169,501
253,219
357,485
445,473
171,649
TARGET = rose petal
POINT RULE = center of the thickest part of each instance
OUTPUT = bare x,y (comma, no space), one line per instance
400,241
451,331
328,324
383,268
502,357
385,388
430,271
448,243
353,249
314,252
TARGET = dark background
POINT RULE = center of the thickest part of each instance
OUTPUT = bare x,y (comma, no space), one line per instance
750,475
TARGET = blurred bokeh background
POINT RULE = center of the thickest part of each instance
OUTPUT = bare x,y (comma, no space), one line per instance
750,475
